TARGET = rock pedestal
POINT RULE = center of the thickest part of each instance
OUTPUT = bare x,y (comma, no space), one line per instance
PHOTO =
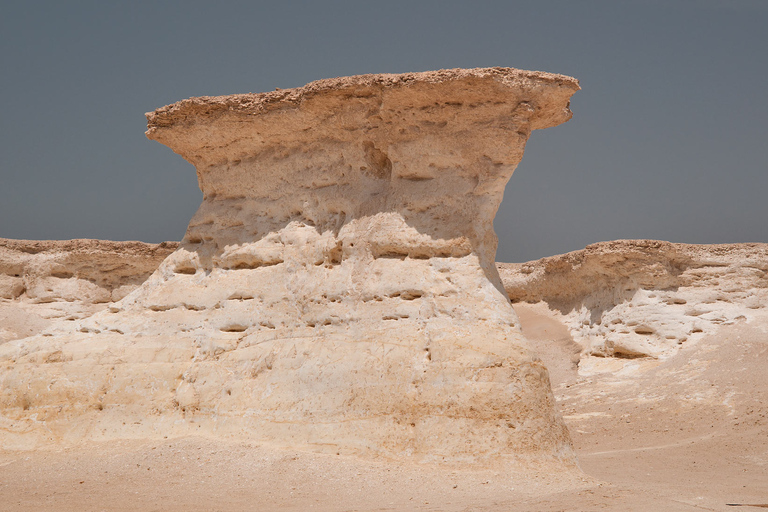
336,290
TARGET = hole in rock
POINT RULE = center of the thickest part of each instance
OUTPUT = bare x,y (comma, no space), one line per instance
254,264
240,296
395,317
334,255
413,177
234,328
379,164
389,253
629,355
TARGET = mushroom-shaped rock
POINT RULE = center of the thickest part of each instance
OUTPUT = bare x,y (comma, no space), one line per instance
336,289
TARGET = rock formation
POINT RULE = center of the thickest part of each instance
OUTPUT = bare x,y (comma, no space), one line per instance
664,290
644,298
336,290
700,405
43,281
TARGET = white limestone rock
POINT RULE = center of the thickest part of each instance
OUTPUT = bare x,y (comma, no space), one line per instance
645,298
86,271
335,291
42,282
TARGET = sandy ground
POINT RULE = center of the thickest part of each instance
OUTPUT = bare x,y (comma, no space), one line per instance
689,433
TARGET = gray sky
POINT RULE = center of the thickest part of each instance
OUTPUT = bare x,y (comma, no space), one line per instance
668,139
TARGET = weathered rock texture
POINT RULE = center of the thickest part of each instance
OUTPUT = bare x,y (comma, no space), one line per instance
89,271
645,298
335,290
42,281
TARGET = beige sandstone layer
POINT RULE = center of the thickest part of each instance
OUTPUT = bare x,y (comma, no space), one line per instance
335,291
679,432
697,287
45,281
91,271
644,298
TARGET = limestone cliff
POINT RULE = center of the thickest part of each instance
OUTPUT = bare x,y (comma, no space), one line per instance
336,290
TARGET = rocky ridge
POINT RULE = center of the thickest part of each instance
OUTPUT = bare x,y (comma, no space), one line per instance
625,298
644,298
45,281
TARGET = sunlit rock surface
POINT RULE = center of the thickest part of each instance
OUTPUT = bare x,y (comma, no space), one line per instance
42,282
645,298
335,291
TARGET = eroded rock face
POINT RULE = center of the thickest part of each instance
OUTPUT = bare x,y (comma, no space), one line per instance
45,281
645,298
335,290
88,271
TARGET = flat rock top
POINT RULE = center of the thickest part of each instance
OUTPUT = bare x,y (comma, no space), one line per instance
260,102
85,245
669,250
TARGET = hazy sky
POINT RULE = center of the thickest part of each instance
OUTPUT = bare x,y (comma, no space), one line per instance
668,140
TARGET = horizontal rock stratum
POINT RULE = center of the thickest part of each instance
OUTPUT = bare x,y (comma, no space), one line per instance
336,289
645,298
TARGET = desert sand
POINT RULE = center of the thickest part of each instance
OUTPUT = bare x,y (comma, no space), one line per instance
333,332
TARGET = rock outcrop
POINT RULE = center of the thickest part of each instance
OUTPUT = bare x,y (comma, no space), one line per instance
336,290
644,298
88,271
45,281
